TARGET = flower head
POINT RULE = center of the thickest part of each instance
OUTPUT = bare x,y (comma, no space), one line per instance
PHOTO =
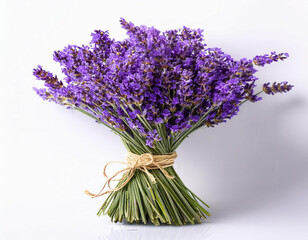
273,88
153,77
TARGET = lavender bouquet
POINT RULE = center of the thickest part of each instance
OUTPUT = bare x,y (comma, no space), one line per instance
153,89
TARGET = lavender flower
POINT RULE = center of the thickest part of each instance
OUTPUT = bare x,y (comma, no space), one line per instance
277,87
152,137
154,84
267,59
153,89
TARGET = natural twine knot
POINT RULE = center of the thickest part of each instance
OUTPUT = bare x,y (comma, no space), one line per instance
143,162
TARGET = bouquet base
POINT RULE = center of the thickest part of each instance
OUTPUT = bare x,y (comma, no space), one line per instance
167,201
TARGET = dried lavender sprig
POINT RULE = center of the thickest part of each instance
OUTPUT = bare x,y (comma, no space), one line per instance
267,59
274,88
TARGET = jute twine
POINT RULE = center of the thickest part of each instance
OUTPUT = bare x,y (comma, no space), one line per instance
143,162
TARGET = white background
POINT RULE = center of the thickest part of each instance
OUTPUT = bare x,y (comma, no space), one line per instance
252,171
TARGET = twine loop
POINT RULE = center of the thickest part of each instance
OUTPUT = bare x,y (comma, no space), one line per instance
143,162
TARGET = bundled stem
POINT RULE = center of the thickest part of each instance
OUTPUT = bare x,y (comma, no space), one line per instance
168,201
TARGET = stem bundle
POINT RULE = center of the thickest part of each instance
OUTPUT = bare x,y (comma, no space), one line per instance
168,201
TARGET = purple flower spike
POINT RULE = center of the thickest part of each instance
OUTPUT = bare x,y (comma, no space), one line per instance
273,88
152,78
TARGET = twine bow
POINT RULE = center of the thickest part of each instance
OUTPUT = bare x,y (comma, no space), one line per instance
143,162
